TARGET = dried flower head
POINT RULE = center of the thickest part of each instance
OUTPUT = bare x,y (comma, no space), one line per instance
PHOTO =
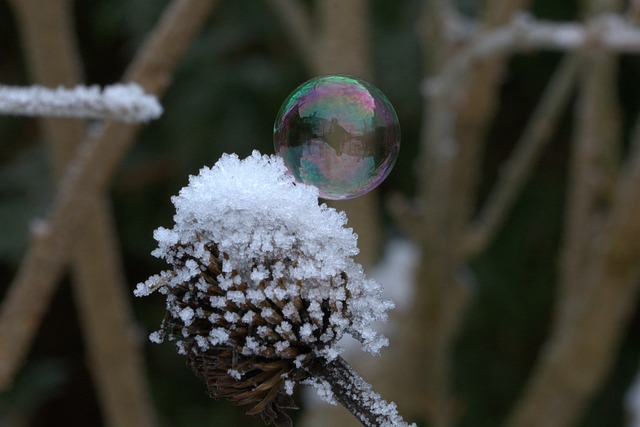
262,285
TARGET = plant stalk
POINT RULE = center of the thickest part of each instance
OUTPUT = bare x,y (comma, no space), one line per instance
354,393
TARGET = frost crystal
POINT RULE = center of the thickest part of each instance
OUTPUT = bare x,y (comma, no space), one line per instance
266,275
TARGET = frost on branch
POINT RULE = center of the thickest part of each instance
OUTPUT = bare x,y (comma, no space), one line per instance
262,283
124,102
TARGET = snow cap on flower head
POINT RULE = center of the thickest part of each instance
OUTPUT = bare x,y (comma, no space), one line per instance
262,281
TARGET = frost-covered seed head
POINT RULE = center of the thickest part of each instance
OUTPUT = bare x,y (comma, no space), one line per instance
262,281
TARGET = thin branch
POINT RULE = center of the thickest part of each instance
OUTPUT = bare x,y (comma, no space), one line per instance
623,226
115,357
451,145
344,35
298,23
633,12
519,167
600,260
608,33
106,316
338,22
574,363
594,165
98,160
127,103
442,28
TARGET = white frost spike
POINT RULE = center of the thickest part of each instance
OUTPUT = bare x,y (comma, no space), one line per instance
123,102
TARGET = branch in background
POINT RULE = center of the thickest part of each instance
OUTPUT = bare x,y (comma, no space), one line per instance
452,143
632,402
519,166
441,30
42,266
607,32
573,363
593,171
599,258
114,355
633,12
123,102
340,21
297,21
320,40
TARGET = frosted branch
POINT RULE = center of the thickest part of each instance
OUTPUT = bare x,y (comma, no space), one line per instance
354,393
607,32
122,102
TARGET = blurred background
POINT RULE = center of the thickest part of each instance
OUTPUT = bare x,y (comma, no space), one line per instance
224,98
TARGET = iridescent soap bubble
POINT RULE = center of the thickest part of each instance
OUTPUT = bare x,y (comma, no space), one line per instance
338,133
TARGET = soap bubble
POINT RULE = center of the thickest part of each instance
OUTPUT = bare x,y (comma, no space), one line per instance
338,133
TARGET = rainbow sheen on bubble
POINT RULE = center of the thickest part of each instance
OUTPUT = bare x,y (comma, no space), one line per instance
338,133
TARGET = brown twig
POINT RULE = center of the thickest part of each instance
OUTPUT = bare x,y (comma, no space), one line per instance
339,42
106,318
599,258
633,12
573,363
593,168
339,22
605,32
297,21
454,126
519,166
29,293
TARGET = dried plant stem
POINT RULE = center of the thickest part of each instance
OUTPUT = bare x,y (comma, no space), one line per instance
573,363
599,258
324,51
114,349
519,166
115,355
606,32
593,169
340,21
298,23
90,173
355,394
456,117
